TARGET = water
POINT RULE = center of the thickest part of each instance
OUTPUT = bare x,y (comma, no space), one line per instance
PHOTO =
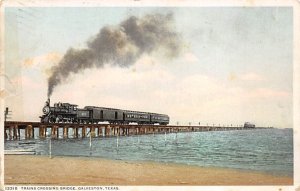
265,150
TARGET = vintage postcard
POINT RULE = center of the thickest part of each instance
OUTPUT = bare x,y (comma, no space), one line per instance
149,95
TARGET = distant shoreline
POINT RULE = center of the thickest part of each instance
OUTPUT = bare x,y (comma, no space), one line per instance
33,170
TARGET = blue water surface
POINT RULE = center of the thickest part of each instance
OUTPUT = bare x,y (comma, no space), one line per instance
265,150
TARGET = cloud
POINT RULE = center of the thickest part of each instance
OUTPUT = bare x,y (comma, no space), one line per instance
148,86
251,77
190,57
42,63
268,93
153,86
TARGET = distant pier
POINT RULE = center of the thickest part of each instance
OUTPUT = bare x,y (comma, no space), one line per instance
12,129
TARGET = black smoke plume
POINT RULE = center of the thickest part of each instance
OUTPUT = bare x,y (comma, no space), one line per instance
120,45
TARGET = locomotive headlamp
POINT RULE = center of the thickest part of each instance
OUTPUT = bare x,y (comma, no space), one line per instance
46,110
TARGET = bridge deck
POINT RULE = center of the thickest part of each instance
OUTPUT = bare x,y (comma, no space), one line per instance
13,129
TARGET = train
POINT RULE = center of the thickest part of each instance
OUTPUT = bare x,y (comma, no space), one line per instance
71,113
249,125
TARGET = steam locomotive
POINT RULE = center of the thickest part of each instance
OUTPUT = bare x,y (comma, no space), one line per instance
70,113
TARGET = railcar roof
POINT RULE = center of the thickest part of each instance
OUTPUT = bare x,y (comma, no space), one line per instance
66,104
123,110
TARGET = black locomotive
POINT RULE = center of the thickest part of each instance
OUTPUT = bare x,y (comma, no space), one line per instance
70,113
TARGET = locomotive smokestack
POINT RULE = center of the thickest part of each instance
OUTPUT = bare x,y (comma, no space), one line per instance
120,45
47,102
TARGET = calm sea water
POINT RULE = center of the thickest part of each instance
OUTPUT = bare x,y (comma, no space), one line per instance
267,150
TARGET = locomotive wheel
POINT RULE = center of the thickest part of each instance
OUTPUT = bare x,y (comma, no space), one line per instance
51,120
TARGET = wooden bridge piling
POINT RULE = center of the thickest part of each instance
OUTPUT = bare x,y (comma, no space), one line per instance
93,133
98,132
108,131
15,134
10,133
5,135
29,132
83,132
43,131
65,132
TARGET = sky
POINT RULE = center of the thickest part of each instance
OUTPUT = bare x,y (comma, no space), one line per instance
235,64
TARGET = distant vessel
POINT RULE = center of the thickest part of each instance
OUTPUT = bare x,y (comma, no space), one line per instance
249,125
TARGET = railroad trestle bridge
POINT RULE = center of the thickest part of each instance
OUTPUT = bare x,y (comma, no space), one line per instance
12,130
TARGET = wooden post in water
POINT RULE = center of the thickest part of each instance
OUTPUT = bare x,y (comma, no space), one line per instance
10,132
15,135
76,132
83,132
44,134
52,131
66,132
45,131
103,131
99,133
32,132
41,131
28,131
92,130
57,132
73,132
107,131
5,134
19,133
